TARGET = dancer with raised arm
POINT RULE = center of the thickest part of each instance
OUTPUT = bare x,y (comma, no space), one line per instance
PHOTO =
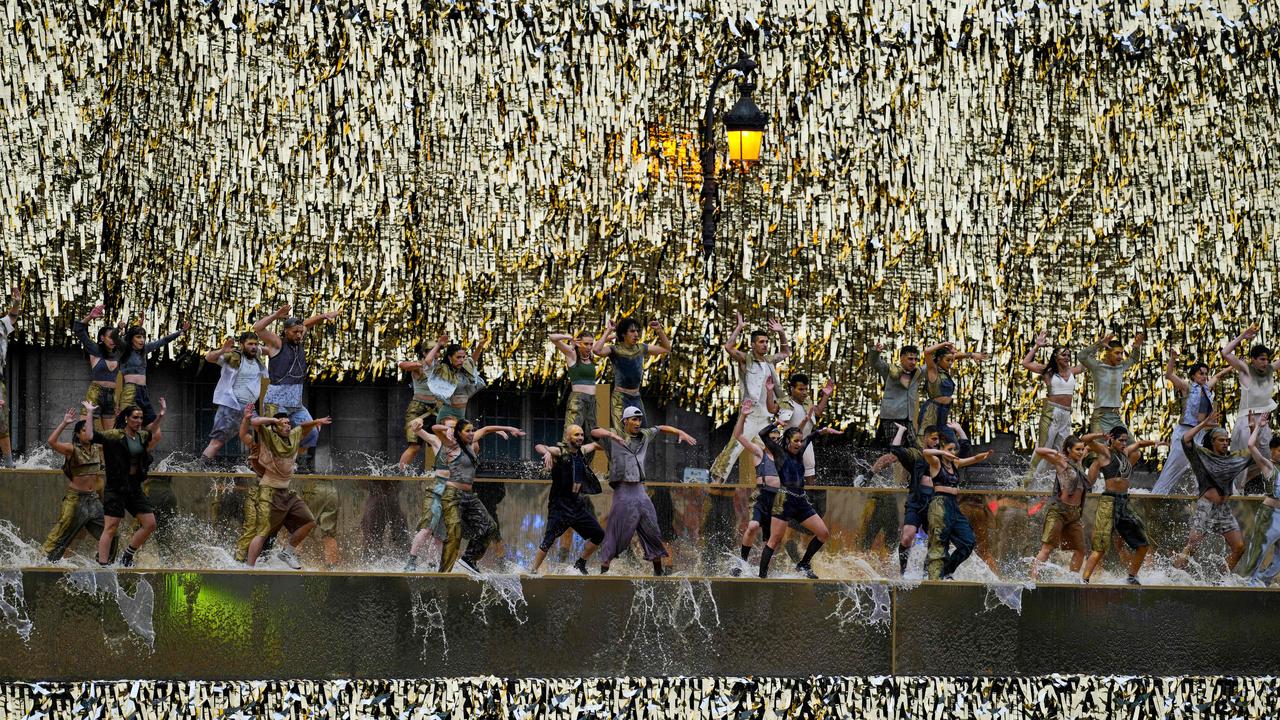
569,463
1265,536
1063,520
632,511
1114,457
432,522
455,378
627,357
900,397
1059,376
131,388
1107,377
1257,380
1215,466
288,372
279,444
257,499
424,403
1197,392
464,514
919,480
126,457
580,370
81,508
242,381
755,366
765,501
939,386
948,526
795,506
102,367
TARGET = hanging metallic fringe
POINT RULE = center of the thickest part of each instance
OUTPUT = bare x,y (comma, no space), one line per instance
1060,697
934,169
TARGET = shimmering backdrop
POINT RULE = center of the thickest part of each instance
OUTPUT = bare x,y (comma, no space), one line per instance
973,171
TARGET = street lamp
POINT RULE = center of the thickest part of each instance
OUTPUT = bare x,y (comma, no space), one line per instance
744,124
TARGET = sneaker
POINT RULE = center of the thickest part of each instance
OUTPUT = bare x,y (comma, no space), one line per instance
128,557
288,557
581,565
807,572
735,572
1132,580
465,566
604,569
657,569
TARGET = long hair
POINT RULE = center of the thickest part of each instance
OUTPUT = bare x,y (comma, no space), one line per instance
126,347
787,435
108,331
126,412
1069,443
462,445
1051,368
449,350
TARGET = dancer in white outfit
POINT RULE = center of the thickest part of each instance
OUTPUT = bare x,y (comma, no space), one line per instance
1257,396
1061,380
1197,391
755,365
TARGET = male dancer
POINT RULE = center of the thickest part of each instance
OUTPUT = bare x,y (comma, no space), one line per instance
1265,536
1257,397
278,449
1113,516
288,372
632,511
1215,467
243,380
1107,377
627,358
7,324
570,469
900,401
754,367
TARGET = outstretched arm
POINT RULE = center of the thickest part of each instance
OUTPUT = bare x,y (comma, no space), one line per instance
1229,350
972,459
55,438
1052,456
310,425
81,330
161,342
681,436
213,356
263,328
319,318
602,433
503,430
732,340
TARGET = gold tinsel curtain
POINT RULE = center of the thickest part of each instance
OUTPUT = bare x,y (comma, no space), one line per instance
933,169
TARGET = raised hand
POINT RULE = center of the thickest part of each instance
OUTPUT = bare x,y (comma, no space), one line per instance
163,406
1250,332
747,406
185,326
228,344
774,325
88,407
331,315
740,322
71,416
284,310
769,384
829,388
248,410
1042,338
880,347
655,325
96,312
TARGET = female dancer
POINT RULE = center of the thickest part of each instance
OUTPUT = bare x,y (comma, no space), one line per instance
102,367
423,402
432,522
939,385
1062,521
795,504
1197,389
628,356
948,525
81,508
1059,377
764,500
126,456
1114,461
456,379
581,372
464,514
1215,467
1257,394
133,369
1266,522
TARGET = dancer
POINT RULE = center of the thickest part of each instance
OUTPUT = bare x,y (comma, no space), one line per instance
1215,466
1107,376
795,506
979,510
132,369
1113,516
81,508
456,379
798,411
7,324
919,482
755,366
627,358
243,380
1059,377
947,524
1257,380
432,522
257,497
581,371
566,508
126,457
765,500
939,385
900,398
288,374
632,511
102,367
1063,518
1265,536
279,444
1197,388
464,514
424,402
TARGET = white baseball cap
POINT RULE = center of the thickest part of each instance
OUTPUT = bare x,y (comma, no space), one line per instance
631,412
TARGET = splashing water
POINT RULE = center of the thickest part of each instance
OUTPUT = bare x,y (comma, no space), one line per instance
1007,595
13,604
500,590
136,609
428,621
42,457
859,604
687,611
14,551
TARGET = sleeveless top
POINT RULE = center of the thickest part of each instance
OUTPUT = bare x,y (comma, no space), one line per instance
289,366
943,387
462,469
1071,479
440,462
766,467
83,461
1257,391
581,373
628,365
1119,467
1199,400
945,477
102,372
421,388
1060,386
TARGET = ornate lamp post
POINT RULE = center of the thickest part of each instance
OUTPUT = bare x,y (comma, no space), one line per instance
744,124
